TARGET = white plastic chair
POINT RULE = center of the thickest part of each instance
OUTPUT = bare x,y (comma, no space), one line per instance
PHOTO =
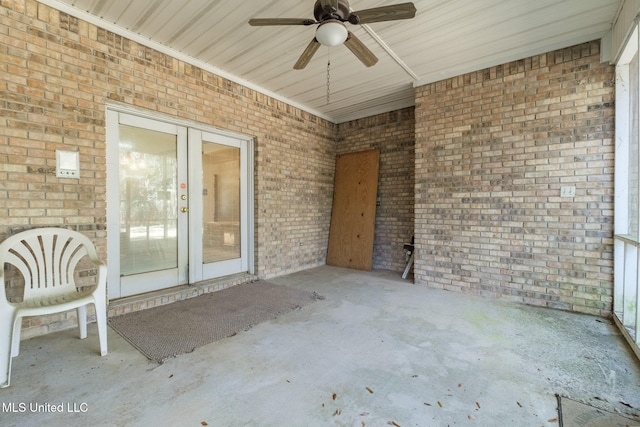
47,259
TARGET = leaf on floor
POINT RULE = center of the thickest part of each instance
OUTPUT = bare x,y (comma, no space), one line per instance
204,423
334,396
626,404
393,423
338,412
439,404
519,404
478,405
369,390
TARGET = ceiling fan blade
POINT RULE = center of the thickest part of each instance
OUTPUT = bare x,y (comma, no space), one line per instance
386,13
260,22
360,50
307,55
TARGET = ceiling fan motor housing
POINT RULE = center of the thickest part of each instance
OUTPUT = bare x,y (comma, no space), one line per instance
341,12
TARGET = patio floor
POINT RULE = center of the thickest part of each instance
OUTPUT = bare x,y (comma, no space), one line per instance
377,351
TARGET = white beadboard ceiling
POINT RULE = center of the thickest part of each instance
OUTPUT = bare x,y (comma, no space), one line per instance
446,38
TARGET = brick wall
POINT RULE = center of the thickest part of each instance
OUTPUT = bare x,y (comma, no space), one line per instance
57,75
493,150
393,134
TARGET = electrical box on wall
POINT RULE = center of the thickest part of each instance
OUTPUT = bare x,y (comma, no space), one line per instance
67,164
568,192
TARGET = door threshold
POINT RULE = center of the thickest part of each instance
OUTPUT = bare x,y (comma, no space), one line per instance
153,299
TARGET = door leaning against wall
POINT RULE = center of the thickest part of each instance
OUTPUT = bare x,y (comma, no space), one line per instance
179,205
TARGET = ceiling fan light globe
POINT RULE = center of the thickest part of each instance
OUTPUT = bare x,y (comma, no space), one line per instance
331,33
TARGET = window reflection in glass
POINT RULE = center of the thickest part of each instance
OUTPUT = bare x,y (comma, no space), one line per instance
148,201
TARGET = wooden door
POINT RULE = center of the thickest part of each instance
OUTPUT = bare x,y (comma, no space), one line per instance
354,210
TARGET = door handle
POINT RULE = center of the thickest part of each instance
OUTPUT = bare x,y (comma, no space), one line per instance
184,210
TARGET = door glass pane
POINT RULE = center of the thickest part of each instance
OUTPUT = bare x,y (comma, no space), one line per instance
148,200
221,202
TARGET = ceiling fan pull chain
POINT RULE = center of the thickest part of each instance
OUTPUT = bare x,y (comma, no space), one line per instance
328,77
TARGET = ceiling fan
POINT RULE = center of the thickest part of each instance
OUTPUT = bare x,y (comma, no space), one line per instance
331,16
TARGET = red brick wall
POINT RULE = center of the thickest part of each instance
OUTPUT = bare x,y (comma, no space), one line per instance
493,150
393,134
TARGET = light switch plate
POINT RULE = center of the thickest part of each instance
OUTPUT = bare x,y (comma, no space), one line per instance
568,192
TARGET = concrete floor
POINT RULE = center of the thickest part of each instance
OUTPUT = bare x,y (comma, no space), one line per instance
377,350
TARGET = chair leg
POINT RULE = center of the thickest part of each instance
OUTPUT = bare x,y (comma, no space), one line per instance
15,340
7,321
101,320
82,321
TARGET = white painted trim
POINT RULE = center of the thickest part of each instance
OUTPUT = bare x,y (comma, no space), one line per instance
113,205
390,52
183,218
634,345
218,269
623,25
195,209
154,280
149,282
630,48
250,156
621,211
626,288
176,121
605,48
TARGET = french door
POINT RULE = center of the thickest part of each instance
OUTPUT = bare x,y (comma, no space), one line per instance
178,204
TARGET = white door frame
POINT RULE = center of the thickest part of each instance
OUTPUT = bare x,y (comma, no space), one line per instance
196,270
